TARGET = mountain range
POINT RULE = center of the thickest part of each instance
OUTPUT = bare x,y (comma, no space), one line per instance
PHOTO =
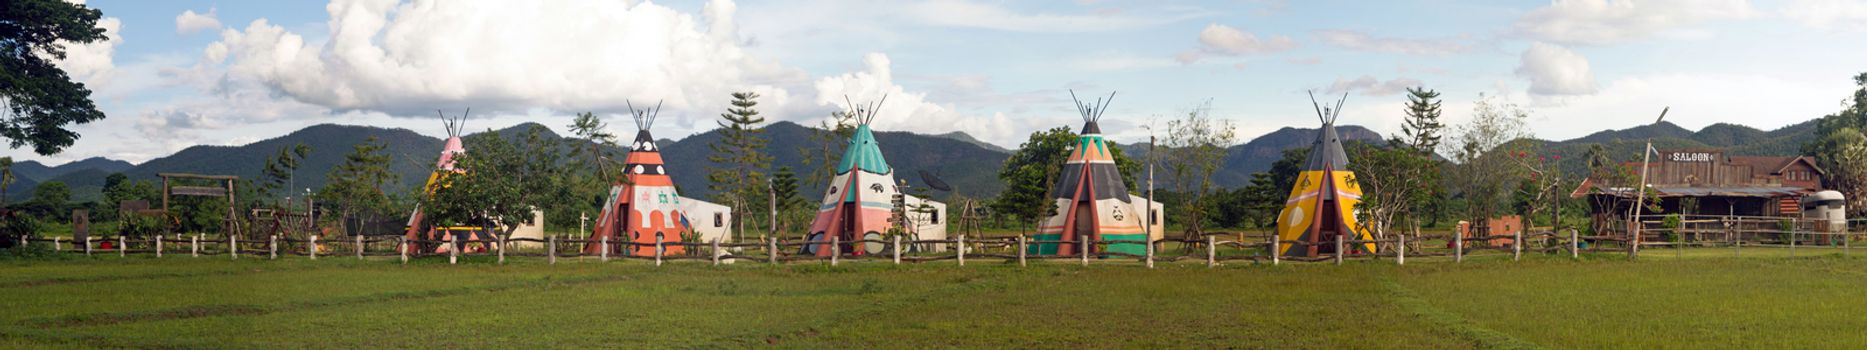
969,165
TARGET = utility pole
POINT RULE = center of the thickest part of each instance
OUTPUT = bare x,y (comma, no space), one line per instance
1147,226
771,187
1640,200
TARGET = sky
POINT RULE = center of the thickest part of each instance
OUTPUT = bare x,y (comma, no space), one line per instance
177,74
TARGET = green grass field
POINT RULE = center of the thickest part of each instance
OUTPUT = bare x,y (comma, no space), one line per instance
1697,299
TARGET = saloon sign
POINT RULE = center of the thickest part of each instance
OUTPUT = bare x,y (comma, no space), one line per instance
1692,157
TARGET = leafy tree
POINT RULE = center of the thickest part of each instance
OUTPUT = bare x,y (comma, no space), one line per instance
281,171
790,203
829,137
1487,172
740,156
1195,147
597,143
1840,148
486,192
356,185
1393,180
1422,127
37,99
50,199
119,188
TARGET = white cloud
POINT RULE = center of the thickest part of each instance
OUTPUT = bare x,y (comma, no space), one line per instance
1556,71
1219,39
1845,15
1113,61
190,22
961,13
410,59
94,64
1357,40
1607,22
1369,86
912,111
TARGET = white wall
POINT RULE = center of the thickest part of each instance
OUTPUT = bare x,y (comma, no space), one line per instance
1157,224
928,225
711,221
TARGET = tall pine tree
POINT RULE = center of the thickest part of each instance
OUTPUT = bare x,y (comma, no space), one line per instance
739,162
1422,125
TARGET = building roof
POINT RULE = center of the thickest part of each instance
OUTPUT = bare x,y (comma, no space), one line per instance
1681,191
1775,165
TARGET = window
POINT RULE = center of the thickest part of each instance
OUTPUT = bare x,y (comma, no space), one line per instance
719,220
1153,217
934,216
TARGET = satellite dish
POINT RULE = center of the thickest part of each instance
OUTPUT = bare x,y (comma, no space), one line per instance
934,181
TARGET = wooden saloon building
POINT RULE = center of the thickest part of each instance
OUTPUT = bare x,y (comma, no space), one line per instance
1708,182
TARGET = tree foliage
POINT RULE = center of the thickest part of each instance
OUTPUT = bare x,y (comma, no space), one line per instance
1486,172
281,171
741,162
356,187
1031,171
1194,149
37,99
1840,148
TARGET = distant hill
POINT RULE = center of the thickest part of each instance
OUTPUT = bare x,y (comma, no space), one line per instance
29,174
1257,155
1735,140
969,167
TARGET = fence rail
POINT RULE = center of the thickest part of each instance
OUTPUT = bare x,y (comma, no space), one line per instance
1214,249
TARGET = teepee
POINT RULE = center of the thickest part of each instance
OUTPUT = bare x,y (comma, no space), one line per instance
644,205
860,202
1091,200
1321,208
419,228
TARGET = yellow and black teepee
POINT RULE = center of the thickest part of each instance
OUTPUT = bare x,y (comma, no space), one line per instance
1321,208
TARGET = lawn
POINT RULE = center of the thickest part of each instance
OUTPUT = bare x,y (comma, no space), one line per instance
1695,299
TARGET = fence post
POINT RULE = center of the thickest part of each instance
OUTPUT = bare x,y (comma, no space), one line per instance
122,247
453,250
194,246
158,245
1021,247
962,250
657,249
1516,246
497,239
401,248
716,251
773,249
1084,242
1458,246
604,249
87,245
1400,256
1338,248
1847,243
836,248
312,247
502,253
1271,250
1792,242
1212,252
233,246
551,249
56,245
1150,251
1575,244
897,249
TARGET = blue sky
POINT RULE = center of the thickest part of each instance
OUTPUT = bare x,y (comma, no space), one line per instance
184,73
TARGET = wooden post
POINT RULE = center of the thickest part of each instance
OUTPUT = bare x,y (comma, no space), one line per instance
1458,246
657,249
194,246
1792,242
272,247
502,253
501,241
836,248
1847,243
87,245
1516,246
453,250
772,249
233,246
604,249
1338,248
1084,252
158,245
56,245
716,251
551,249
312,246
897,249
1400,256
1272,251
962,250
1212,252
1575,244
401,248
122,246
1021,246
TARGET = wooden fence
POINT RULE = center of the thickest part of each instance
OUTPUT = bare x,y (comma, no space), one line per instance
1213,250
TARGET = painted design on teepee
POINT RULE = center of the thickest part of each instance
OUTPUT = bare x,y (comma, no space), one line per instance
1091,200
1321,208
859,201
643,205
